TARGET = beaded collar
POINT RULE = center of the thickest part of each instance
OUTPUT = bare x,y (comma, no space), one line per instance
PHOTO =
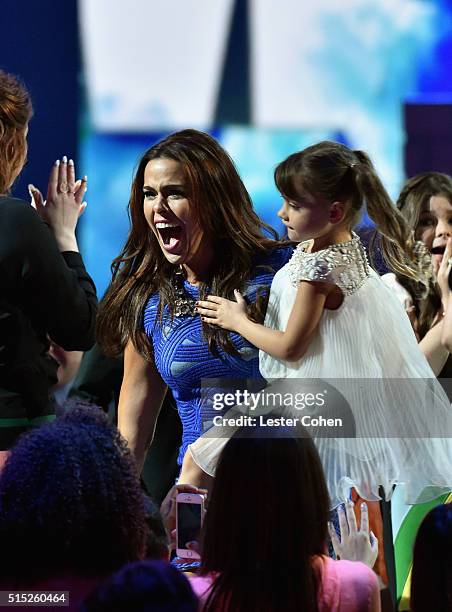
344,263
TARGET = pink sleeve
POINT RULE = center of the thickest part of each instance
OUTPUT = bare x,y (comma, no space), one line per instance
361,592
375,601
355,583
201,586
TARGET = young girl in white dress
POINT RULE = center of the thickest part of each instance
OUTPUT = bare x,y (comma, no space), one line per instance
331,317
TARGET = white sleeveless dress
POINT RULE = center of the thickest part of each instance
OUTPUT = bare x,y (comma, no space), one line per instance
367,353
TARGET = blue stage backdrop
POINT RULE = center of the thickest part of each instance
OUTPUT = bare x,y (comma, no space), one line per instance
40,43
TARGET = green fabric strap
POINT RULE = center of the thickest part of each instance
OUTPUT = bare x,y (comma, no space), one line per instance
24,422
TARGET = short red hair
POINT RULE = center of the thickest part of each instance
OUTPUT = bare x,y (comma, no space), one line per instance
15,113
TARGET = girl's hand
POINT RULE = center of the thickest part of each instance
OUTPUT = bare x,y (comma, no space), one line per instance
222,312
442,272
355,544
64,203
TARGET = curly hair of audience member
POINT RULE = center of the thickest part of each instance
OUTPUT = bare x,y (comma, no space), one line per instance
70,500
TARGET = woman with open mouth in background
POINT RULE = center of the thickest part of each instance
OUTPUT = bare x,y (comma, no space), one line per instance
426,203
193,231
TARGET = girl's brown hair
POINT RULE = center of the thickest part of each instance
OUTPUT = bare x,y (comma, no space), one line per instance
15,113
416,192
226,213
334,172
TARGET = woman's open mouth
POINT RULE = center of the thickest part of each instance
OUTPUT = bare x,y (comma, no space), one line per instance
170,234
438,250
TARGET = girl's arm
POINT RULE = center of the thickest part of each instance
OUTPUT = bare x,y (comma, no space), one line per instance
140,400
288,345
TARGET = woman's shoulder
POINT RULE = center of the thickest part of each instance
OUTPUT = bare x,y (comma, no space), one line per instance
352,581
151,308
14,209
350,584
201,585
276,257
350,570
265,267
22,229
21,226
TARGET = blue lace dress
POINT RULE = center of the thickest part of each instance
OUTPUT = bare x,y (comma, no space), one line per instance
182,356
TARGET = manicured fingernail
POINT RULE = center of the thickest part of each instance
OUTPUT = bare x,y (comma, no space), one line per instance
85,178
71,162
30,187
57,163
363,506
64,160
85,204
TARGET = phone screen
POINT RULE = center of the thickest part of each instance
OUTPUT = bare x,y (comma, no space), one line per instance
188,523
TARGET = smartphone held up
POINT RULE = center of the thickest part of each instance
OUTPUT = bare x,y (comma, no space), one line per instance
189,517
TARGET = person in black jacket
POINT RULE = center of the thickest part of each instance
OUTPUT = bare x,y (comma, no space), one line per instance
45,291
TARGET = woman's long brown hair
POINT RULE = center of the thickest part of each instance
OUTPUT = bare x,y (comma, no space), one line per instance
226,214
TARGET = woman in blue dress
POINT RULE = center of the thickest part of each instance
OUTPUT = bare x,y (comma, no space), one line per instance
193,232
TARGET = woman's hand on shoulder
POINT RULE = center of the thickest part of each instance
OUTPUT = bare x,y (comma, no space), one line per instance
63,205
355,544
222,312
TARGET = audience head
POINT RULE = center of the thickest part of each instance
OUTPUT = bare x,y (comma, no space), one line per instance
15,113
341,181
431,580
426,204
266,520
70,500
144,586
157,541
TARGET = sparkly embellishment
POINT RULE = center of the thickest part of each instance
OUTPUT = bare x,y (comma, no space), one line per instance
344,265
184,304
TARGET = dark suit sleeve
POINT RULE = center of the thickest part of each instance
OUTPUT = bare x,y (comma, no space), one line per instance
57,288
